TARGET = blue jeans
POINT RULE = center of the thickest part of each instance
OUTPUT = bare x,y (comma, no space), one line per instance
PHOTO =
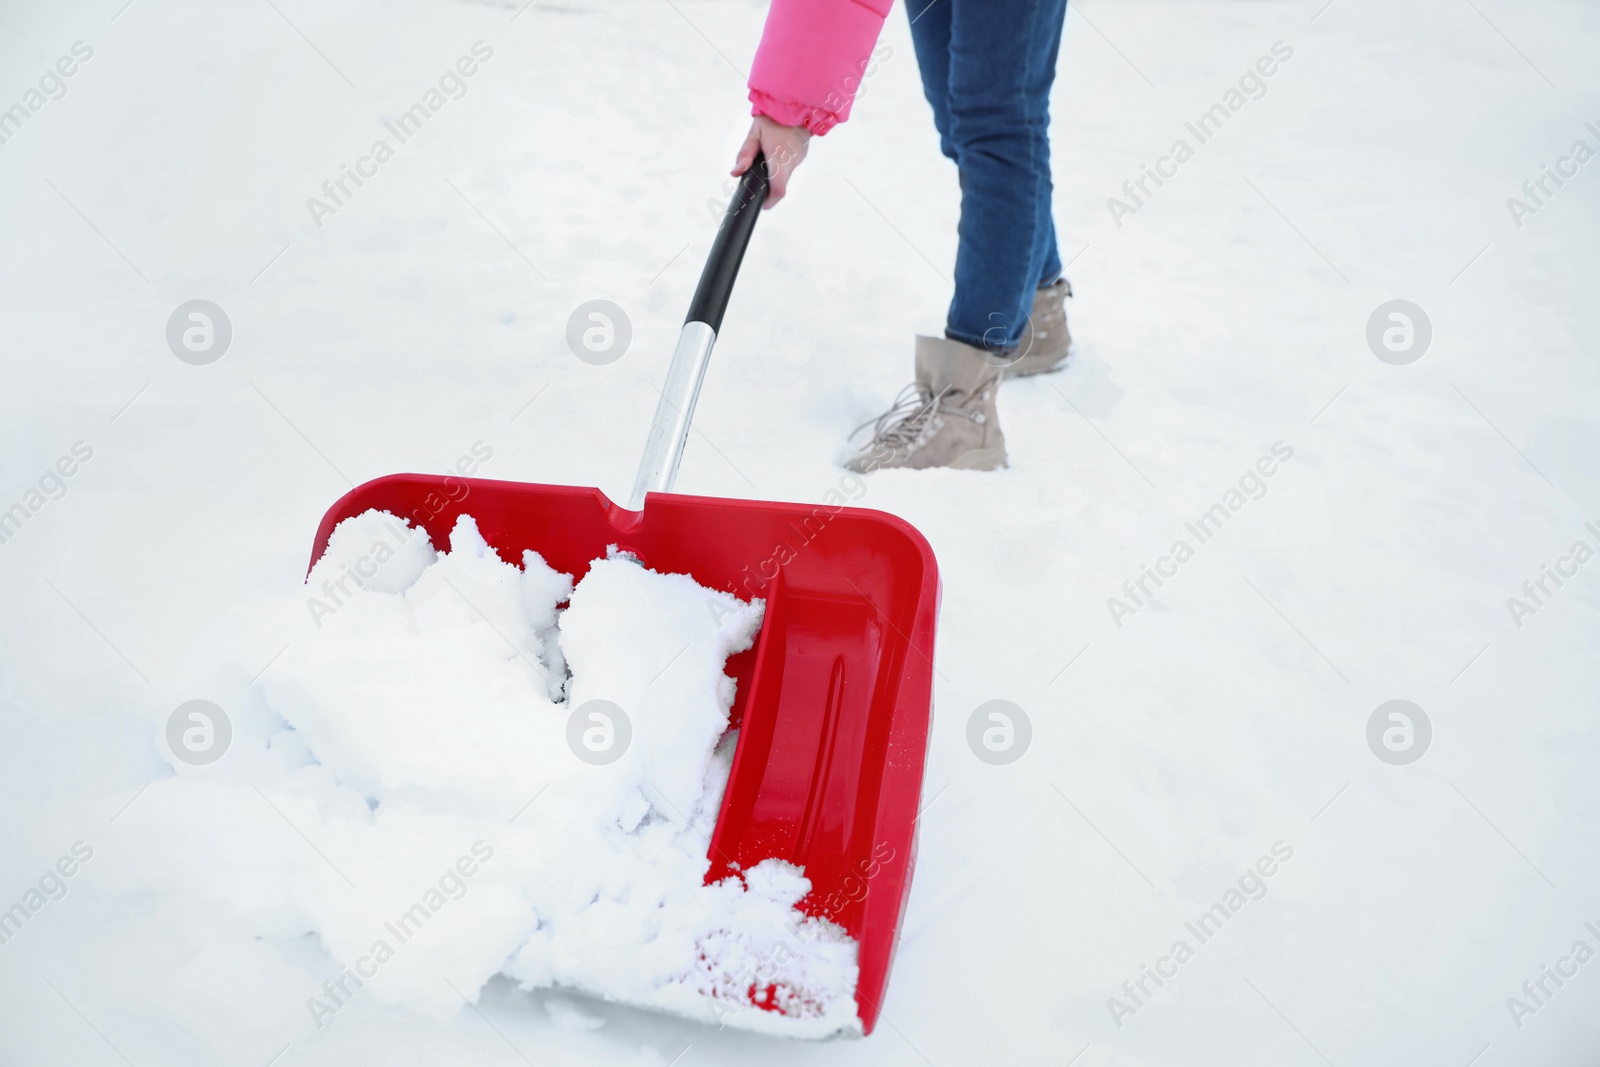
987,67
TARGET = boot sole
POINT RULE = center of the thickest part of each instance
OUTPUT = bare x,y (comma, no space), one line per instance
980,459
1022,369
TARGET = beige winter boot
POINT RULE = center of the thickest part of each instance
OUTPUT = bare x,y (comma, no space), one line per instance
946,418
1045,342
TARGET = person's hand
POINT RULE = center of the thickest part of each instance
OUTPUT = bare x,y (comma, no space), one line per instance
785,147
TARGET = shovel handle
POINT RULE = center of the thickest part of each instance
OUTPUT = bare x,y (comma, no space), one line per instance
727,251
669,430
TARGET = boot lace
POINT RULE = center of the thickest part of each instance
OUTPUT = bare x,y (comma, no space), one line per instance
916,413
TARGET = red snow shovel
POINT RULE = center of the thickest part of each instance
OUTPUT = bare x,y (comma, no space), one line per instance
834,702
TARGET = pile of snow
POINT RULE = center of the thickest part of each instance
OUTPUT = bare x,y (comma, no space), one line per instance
472,810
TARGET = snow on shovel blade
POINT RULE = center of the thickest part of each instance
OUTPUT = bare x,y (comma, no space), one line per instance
833,704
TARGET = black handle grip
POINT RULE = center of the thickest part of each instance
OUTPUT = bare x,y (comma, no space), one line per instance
727,251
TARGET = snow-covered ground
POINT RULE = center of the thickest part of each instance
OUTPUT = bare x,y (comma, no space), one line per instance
1182,745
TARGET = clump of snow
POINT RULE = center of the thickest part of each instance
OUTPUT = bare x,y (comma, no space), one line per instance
655,645
436,690
460,833
374,550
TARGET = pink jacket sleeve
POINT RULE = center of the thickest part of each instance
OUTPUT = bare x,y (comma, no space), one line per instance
811,60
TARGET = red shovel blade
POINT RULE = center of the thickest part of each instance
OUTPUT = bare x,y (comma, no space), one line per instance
833,704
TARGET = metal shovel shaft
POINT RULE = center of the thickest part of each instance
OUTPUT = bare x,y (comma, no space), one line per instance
669,430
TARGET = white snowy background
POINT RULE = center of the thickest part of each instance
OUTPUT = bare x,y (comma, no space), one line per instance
1168,753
